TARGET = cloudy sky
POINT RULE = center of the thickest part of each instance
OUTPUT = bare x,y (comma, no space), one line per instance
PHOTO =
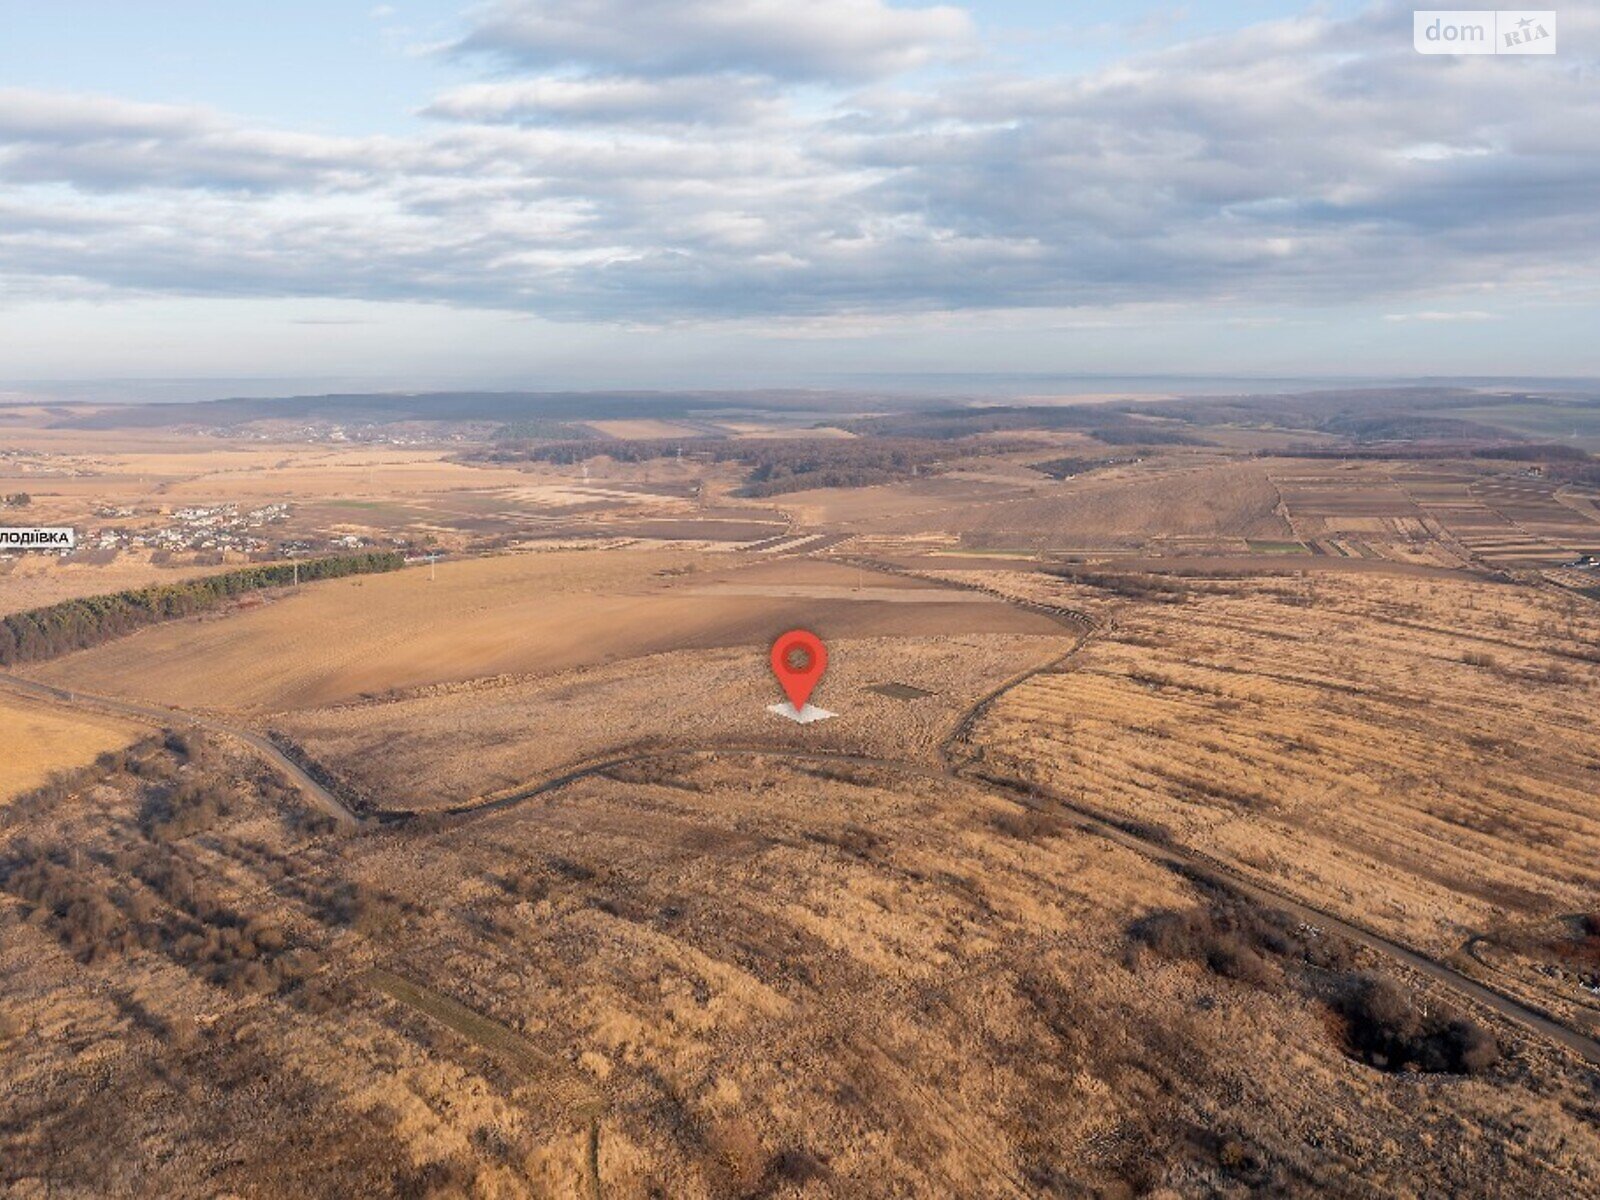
620,192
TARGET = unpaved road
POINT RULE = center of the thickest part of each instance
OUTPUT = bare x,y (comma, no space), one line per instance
171,718
1189,862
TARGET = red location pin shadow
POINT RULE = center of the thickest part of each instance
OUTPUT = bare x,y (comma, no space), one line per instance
798,660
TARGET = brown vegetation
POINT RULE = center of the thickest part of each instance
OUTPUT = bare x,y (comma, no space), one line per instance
43,633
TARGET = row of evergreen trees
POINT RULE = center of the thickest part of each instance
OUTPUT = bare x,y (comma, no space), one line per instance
42,633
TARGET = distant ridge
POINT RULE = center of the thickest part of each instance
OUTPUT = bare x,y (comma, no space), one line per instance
383,407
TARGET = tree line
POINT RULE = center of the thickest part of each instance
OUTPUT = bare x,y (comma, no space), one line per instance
42,633
777,465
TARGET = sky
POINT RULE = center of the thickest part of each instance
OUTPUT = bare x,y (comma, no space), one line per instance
633,193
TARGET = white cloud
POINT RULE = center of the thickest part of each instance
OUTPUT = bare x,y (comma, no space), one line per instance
719,99
813,39
1279,165
1434,315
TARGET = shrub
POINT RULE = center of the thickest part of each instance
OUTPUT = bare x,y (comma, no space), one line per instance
1237,940
1131,586
361,907
1029,825
527,884
193,806
1387,1030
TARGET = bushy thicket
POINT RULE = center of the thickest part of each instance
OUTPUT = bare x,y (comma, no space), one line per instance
1385,1026
192,806
1066,468
1535,452
633,450
542,428
362,907
90,920
165,906
1160,588
1028,825
140,760
1388,1029
1237,940
42,633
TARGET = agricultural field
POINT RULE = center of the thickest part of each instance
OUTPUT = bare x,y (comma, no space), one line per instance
1125,506
532,614
37,580
42,741
1194,819
1418,754
700,976
462,745
1507,521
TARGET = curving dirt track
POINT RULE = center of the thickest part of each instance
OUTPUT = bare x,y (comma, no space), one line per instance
320,797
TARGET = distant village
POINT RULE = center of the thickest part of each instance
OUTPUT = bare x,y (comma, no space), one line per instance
397,433
199,527
208,529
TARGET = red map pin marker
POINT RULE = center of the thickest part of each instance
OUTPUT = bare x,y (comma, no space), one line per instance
798,660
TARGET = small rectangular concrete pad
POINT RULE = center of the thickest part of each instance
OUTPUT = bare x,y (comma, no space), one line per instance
803,716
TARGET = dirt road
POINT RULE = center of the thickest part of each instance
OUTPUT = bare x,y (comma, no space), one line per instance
170,718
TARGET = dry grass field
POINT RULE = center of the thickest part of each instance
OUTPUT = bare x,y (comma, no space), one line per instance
613,929
1121,506
522,614
37,580
1420,755
451,745
41,740
386,494
699,978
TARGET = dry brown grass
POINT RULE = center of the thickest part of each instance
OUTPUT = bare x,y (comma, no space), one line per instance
1125,505
39,580
41,740
779,980
1419,756
530,614
451,745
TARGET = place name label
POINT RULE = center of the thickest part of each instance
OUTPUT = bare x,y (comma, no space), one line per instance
38,539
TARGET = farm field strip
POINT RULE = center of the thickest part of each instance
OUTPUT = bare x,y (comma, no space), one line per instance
557,1081
1267,767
